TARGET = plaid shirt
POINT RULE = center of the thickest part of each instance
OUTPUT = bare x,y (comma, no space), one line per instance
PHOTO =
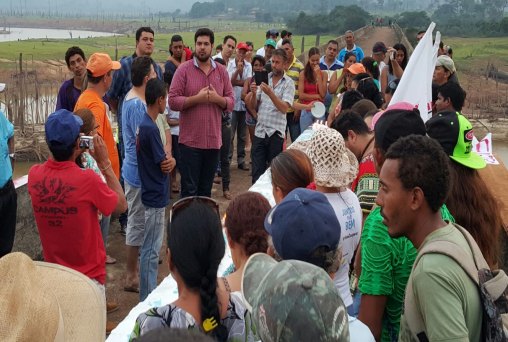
270,119
122,83
200,125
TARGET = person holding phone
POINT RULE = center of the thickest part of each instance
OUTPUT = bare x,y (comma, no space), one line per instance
273,97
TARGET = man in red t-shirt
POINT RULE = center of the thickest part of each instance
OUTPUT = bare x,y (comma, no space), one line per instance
67,199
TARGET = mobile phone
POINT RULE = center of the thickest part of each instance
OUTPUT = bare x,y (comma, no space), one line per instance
86,141
261,77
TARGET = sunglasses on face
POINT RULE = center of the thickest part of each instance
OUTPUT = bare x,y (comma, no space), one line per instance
187,201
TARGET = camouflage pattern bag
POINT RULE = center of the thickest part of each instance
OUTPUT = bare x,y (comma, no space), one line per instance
493,286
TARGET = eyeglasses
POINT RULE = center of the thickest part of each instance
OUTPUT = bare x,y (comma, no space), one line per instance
187,201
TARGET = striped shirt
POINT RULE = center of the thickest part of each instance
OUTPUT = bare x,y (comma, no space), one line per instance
200,125
294,73
270,119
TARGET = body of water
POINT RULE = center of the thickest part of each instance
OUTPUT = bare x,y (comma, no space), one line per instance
20,33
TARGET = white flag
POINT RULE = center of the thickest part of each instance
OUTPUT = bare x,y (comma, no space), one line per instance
415,85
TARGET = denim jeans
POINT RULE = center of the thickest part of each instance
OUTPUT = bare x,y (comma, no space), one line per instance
104,223
263,151
197,170
307,119
152,243
224,155
238,127
293,126
8,207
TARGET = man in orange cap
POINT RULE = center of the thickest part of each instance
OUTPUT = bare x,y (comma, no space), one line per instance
100,69
100,74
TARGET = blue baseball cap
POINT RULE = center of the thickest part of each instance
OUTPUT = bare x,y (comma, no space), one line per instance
62,128
302,222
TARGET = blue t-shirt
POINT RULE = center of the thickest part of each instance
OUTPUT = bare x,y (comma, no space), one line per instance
150,153
170,66
134,110
6,132
357,51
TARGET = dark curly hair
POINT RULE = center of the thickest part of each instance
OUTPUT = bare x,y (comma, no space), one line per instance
73,50
197,247
423,164
245,218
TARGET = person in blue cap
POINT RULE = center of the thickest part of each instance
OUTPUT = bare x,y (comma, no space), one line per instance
66,199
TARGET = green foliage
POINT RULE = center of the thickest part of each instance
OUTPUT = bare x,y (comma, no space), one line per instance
340,19
419,20
205,9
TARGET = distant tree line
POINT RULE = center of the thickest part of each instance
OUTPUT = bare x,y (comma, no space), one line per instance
457,19
340,19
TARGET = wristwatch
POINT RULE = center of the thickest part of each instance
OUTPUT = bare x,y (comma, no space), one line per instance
12,155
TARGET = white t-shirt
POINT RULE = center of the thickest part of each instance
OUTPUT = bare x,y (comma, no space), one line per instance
171,114
349,213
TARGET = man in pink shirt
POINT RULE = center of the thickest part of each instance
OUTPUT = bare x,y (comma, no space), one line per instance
200,91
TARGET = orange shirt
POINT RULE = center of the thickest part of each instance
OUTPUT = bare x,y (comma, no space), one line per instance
91,100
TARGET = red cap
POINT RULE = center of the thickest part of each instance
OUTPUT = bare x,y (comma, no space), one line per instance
242,45
100,64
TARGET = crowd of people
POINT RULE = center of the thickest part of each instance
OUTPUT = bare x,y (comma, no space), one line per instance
353,248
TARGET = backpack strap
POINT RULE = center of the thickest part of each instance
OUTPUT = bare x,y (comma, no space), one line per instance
412,315
478,257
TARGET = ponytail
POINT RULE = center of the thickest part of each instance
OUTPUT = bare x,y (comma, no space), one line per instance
197,247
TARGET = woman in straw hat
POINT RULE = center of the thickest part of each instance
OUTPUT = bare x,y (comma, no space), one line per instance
41,301
335,168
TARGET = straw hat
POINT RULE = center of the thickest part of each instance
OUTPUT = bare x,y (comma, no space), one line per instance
41,301
334,165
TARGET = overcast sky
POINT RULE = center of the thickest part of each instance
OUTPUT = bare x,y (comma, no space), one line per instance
122,6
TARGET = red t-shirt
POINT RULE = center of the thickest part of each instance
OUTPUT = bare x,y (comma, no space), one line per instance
66,200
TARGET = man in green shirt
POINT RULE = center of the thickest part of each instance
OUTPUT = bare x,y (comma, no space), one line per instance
414,183
386,262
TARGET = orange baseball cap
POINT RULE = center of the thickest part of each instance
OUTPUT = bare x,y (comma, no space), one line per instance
100,63
356,68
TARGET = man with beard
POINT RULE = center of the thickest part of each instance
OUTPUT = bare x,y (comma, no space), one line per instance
274,100
200,91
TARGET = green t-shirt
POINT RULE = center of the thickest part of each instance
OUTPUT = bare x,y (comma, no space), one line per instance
386,265
446,297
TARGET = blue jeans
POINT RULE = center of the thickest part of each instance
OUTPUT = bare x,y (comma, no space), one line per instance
293,126
152,243
238,128
104,223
